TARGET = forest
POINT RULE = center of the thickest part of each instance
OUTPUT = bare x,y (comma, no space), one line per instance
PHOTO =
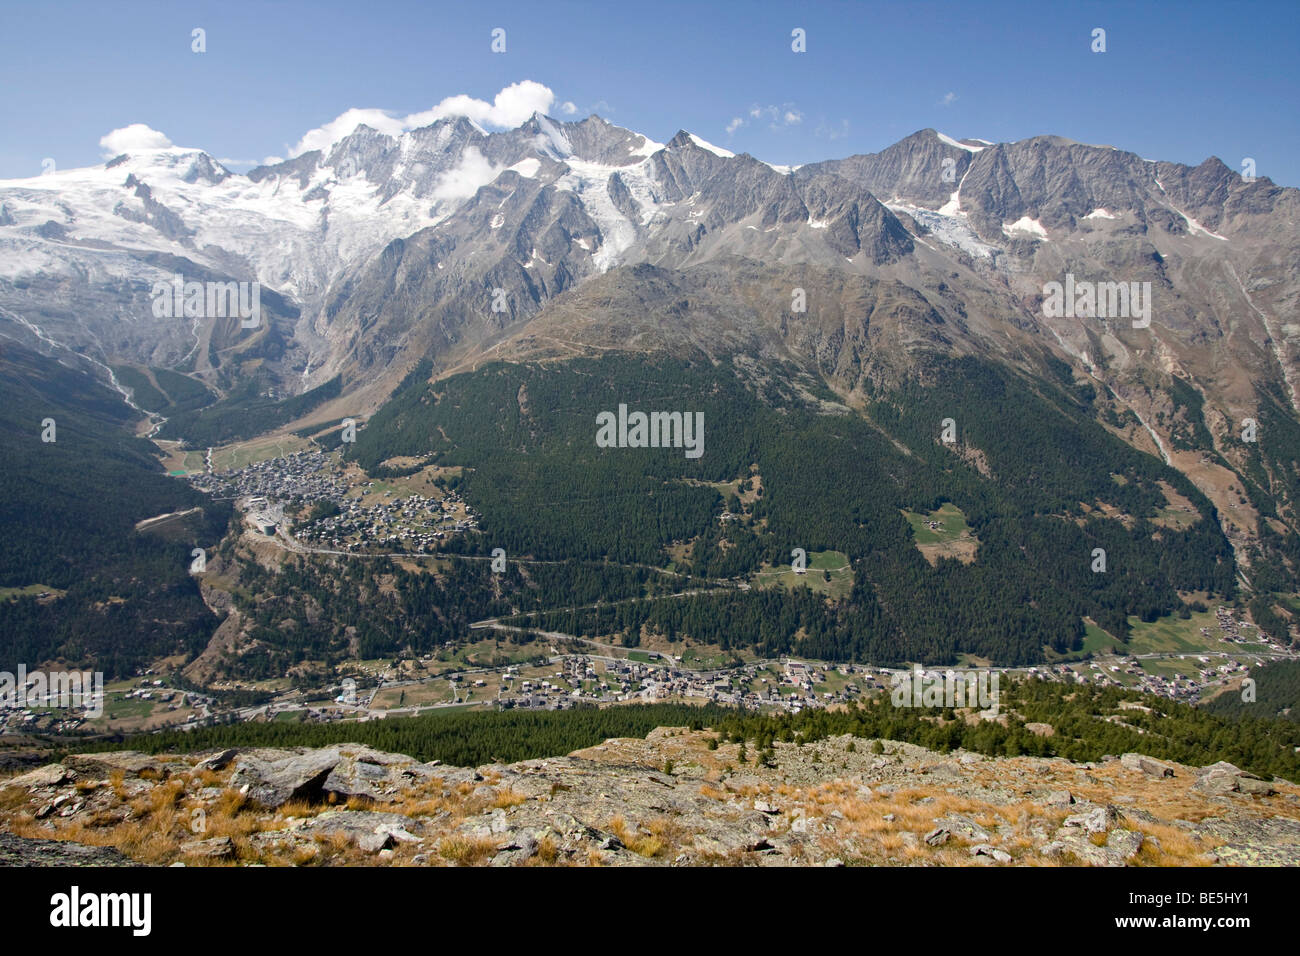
69,509
1171,731
1031,469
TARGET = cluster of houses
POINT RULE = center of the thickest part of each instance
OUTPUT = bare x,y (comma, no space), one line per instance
662,678
1211,668
414,523
303,476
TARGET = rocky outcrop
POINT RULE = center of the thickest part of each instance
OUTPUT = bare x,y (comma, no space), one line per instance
676,798
21,851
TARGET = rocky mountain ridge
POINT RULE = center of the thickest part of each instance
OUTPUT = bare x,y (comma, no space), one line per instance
555,239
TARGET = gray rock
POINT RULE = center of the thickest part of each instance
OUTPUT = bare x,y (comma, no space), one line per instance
1096,820
23,851
130,762
1146,765
217,848
51,775
369,830
1222,778
1125,843
275,783
964,827
217,761
984,849
937,837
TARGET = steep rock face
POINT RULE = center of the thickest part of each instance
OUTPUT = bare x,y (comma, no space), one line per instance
922,169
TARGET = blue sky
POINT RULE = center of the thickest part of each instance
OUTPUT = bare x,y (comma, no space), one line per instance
1178,81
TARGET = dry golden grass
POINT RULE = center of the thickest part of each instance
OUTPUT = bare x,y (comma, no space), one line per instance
466,851
642,844
547,851
11,798
508,798
1177,847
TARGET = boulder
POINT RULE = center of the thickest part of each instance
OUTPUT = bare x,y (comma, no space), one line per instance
275,783
370,831
964,828
1125,843
984,849
51,775
130,762
1152,768
1222,778
217,761
937,837
1096,820
217,848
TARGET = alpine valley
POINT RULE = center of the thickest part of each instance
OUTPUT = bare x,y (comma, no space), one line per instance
394,477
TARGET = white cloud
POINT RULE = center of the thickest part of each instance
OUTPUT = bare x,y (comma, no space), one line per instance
323,137
508,109
132,138
778,117
568,108
948,99
469,174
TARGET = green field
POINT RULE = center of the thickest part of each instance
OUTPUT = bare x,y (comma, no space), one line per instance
233,457
1173,666
951,539
821,564
488,653
1172,635
949,515
28,590
118,707
697,659
1095,641
1177,518
1169,635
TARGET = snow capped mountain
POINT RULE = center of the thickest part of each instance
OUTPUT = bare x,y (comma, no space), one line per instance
380,248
